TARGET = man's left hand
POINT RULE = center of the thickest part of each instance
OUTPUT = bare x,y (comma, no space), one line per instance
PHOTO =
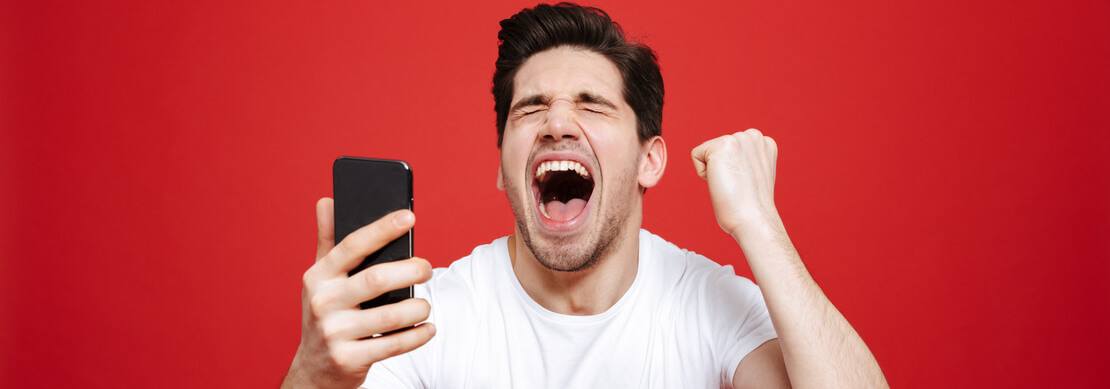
740,171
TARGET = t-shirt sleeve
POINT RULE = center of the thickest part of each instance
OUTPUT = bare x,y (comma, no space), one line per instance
738,319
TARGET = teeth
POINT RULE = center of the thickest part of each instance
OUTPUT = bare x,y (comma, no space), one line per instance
559,166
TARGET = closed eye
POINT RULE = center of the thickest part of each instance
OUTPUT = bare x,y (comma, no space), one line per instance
594,108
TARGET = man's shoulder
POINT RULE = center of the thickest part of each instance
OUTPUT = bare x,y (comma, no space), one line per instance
677,260
707,294
692,274
463,276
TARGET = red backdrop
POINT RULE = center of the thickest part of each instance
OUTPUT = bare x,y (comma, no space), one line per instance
944,170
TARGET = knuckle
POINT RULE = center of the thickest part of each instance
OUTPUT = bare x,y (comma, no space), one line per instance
378,228
330,328
321,239
333,356
386,318
308,279
733,142
318,304
385,226
374,278
392,345
348,246
339,358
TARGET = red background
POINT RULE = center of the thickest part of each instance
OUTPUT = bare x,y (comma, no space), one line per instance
944,170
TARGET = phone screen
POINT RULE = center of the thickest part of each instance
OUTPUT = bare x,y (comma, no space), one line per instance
366,189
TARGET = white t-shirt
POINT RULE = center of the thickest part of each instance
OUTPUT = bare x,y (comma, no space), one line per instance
686,322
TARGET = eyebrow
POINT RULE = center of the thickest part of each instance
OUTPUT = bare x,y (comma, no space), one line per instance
590,98
530,100
583,97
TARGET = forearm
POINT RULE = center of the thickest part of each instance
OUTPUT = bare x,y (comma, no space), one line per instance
298,378
300,375
820,348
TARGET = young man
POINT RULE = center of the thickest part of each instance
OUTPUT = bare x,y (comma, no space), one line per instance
579,296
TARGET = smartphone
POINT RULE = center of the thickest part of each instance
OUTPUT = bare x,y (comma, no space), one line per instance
365,189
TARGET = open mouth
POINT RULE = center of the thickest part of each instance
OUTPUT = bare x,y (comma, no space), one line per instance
563,189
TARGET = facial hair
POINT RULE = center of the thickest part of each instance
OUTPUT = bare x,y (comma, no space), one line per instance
571,254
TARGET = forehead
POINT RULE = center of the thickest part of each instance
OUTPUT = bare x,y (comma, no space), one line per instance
568,71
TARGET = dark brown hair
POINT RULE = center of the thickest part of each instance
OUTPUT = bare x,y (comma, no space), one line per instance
544,26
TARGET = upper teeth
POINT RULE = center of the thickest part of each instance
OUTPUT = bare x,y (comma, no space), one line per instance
558,166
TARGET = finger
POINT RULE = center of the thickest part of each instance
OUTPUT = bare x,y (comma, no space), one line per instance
383,277
749,148
772,147
366,240
751,135
382,347
358,324
325,227
756,148
698,155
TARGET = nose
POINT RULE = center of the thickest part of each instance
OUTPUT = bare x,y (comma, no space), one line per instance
560,123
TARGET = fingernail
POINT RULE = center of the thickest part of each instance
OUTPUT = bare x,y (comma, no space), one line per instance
404,219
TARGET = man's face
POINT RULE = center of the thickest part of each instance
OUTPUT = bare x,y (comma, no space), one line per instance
569,156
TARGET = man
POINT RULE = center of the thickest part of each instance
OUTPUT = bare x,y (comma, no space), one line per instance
579,296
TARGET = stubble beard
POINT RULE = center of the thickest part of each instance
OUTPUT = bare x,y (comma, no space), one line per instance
568,255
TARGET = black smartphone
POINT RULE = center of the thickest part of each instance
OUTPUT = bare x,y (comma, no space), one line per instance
365,189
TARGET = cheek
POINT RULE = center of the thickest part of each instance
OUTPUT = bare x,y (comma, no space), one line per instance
613,142
609,137
620,165
513,158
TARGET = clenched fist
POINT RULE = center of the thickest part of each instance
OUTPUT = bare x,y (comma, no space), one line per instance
337,349
740,171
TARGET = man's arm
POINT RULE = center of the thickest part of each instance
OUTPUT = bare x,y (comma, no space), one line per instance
817,345
762,368
820,348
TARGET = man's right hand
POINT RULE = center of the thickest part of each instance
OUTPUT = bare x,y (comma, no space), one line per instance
335,349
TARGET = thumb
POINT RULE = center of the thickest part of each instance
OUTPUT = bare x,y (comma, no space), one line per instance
325,227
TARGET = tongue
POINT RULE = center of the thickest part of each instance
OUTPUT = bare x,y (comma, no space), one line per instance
560,211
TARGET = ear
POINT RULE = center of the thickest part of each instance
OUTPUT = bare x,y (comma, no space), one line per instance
653,161
500,178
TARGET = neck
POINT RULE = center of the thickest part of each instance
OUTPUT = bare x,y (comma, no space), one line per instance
584,292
